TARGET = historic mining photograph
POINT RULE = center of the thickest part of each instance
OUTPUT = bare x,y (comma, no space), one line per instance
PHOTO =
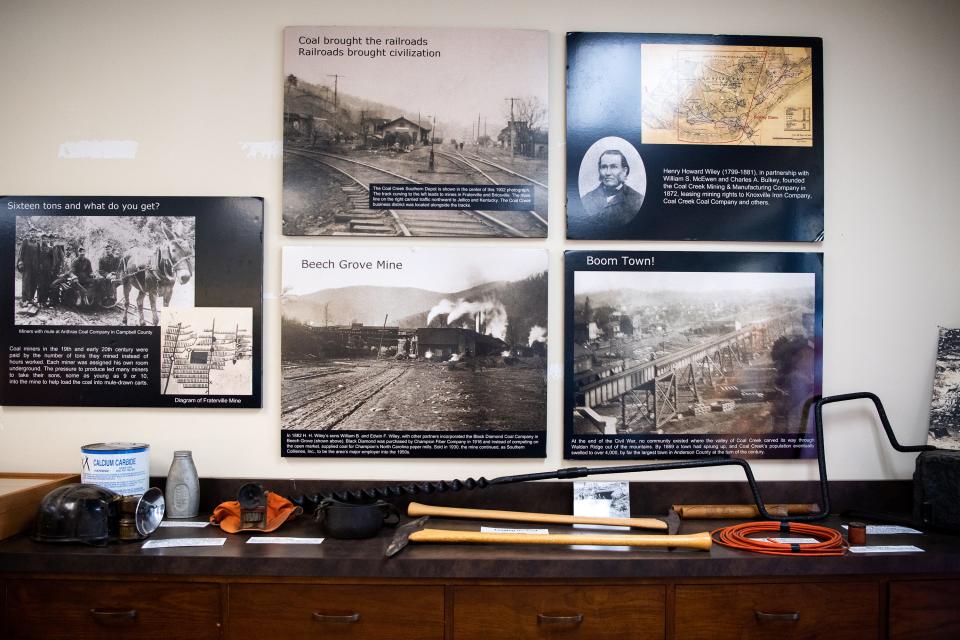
426,339
102,270
945,406
413,106
692,352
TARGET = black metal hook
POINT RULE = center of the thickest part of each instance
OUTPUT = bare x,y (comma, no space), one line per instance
443,486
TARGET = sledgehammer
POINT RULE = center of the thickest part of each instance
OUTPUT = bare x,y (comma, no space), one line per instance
414,532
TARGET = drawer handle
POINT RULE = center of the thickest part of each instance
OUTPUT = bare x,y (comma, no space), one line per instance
573,620
793,616
104,615
323,617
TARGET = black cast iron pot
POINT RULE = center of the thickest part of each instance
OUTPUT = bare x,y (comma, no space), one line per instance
349,521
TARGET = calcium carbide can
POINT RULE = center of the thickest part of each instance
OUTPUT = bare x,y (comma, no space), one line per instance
122,467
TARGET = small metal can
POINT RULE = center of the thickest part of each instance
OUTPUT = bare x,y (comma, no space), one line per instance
122,467
857,534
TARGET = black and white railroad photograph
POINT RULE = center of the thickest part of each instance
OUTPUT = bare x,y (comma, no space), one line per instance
102,270
944,430
431,109
400,340
692,352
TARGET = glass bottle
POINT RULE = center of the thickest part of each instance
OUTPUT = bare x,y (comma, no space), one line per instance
182,493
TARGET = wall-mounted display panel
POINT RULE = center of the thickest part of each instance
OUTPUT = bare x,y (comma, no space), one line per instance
680,354
403,131
944,431
414,352
131,301
694,137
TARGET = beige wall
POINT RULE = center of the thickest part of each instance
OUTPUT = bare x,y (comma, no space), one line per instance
194,83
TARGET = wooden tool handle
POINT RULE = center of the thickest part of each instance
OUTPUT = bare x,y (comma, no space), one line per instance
417,509
738,511
691,541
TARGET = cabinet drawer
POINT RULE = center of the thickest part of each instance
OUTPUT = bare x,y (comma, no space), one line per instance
783,611
81,609
292,611
598,613
925,609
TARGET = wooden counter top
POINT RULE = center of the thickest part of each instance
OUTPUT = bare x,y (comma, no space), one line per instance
365,558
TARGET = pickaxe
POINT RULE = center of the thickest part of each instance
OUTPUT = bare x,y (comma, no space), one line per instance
415,532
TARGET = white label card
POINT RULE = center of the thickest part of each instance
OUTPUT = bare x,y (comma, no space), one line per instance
532,532
894,548
284,540
183,542
185,524
887,529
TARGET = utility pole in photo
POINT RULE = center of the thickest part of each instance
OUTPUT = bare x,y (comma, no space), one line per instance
513,127
382,331
336,102
433,134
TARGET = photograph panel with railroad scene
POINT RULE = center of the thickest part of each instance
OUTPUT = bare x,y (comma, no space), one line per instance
683,354
102,270
402,131
414,352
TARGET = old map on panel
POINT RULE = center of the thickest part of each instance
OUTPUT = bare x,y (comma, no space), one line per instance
721,94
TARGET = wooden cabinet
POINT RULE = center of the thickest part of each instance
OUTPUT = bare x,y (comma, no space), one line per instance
237,608
807,610
95,609
595,612
294,611
924,609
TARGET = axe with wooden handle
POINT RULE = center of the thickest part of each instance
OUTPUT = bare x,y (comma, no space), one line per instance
417,509
414,532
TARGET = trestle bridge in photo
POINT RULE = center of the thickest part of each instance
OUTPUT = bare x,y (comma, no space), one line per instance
664,387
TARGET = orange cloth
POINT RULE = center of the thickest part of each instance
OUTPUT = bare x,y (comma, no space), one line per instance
279,510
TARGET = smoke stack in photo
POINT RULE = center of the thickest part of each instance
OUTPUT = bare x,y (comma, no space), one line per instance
537,334
491,317
444,306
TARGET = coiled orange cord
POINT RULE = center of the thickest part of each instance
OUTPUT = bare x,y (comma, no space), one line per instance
829,541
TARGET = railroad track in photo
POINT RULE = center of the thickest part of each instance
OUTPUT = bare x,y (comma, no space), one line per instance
492,170
307,404
484,171
355,176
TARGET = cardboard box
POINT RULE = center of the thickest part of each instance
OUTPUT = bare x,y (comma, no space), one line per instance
20,495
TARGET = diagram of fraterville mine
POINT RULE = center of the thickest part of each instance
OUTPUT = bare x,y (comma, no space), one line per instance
207,351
